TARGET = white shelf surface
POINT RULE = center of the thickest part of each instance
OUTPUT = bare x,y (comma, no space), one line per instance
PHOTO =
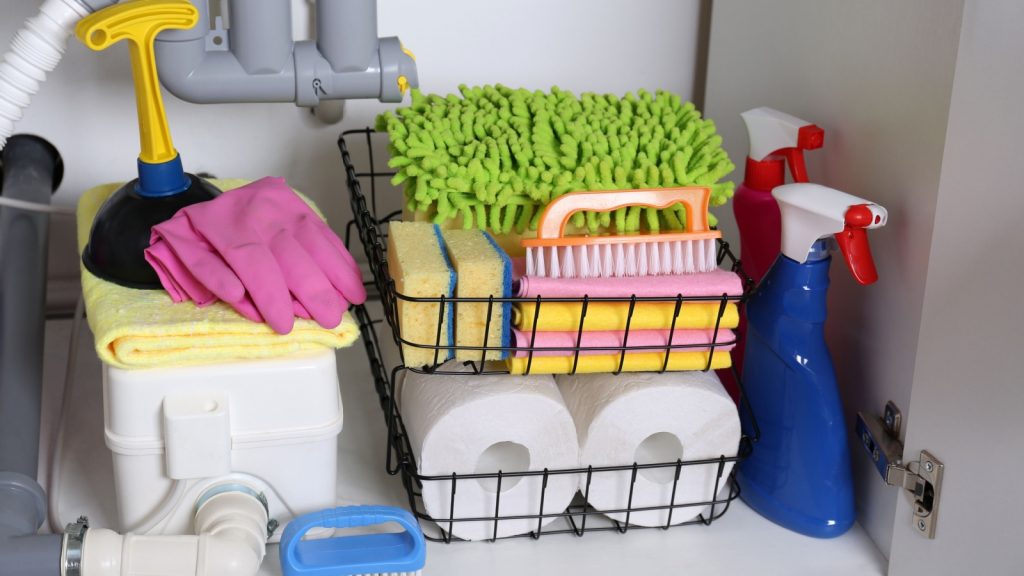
741,542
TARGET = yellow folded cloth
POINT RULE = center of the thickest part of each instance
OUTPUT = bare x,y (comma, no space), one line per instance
634,362
146,329
565,316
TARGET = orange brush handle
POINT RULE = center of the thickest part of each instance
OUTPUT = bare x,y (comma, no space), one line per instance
556,215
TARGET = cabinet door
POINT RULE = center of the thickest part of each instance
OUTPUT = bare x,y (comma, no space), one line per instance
967,400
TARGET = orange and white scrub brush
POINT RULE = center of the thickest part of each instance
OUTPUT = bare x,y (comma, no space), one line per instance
553,255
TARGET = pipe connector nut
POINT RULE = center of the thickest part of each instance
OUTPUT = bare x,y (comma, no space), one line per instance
397,70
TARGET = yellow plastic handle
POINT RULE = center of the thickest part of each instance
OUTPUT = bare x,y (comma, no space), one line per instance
557,214
138,22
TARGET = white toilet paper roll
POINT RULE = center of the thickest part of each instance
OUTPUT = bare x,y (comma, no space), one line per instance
652,418
482,424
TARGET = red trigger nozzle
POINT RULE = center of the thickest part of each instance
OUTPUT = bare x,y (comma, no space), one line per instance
810,137
853,242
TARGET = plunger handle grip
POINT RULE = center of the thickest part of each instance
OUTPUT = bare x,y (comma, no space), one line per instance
139,22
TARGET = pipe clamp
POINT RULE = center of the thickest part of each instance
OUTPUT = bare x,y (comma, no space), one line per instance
71,551
239,488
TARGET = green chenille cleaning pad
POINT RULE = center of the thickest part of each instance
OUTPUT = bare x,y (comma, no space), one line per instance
496,155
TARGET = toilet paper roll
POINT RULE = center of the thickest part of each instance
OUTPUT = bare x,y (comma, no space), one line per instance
652,418
469,424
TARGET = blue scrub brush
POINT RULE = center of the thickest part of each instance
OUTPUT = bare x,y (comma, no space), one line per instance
399,553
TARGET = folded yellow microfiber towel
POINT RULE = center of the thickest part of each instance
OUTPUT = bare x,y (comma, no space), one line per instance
145,329
634,362
563,316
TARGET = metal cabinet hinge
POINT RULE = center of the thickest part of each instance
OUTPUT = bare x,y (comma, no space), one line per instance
922,478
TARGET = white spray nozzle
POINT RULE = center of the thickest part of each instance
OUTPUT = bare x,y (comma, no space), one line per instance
776,133
811,212
770,131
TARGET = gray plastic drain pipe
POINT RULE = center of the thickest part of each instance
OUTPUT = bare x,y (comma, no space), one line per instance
31,171
257,61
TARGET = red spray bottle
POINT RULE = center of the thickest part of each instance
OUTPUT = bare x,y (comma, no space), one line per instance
776,138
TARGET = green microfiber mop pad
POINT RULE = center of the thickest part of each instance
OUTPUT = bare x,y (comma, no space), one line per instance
496,156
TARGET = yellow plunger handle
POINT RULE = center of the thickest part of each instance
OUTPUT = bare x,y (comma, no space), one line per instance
138,22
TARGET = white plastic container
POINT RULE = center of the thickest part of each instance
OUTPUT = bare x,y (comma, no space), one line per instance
176,432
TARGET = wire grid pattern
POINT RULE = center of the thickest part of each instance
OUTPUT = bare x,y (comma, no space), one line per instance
580,517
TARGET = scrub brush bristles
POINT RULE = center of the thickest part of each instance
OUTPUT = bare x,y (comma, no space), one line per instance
623,260
553,255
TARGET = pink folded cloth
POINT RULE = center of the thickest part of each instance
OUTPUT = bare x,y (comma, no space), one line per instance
611,339
713,283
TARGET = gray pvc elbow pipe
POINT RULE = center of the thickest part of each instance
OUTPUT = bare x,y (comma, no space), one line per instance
346,33
196,72
261,34
260,62
32,170
24,552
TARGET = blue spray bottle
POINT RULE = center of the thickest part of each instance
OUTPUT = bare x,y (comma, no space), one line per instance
798,475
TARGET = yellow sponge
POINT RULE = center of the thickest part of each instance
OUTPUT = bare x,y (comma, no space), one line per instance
483,269
419,264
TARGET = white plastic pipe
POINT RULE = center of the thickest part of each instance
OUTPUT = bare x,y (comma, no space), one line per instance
231,540
36,49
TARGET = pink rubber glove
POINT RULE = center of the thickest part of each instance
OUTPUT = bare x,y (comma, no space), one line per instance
174,274
262,250
181,284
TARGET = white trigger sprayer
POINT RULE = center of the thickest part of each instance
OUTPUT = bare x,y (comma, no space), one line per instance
811,212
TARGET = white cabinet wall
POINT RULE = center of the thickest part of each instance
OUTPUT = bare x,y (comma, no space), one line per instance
920,102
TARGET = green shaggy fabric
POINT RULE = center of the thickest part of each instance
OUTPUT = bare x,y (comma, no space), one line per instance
497,155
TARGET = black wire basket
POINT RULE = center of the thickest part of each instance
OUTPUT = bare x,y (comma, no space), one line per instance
580,517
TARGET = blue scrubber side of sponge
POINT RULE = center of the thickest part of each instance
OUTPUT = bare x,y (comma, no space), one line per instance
506,292
449,308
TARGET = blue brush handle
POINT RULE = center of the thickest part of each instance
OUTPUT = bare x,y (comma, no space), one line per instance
356,516
352,554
